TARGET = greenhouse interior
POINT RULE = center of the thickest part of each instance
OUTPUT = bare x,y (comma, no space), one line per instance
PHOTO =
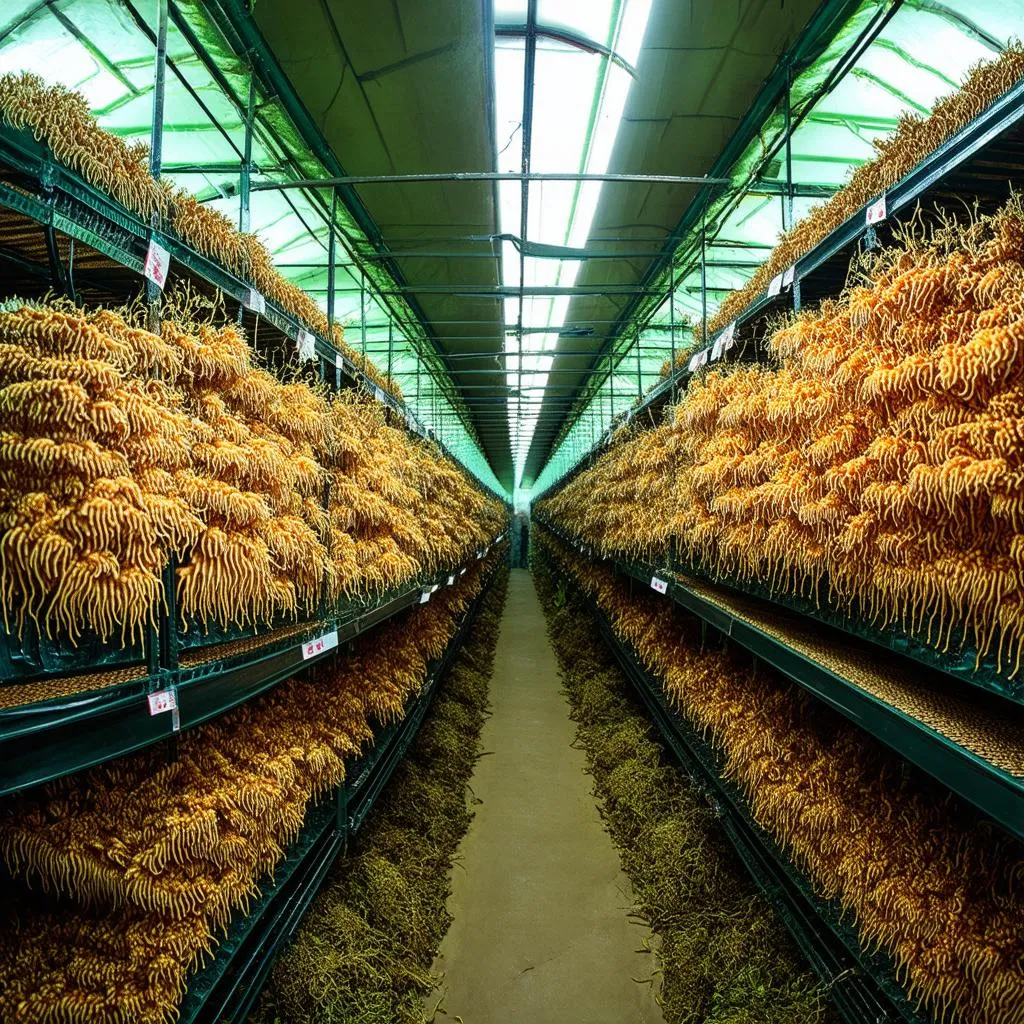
626,625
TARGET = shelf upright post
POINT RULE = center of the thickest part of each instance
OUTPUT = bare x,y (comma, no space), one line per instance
672,326
244,177
332,258
790,187
391,344
362,314
163,641
704,273
157,143
639,367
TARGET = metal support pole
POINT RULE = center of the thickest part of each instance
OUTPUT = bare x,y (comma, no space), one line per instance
362,314
391,345
245,179
639,367
332,263
704,272
672,323
157,143
787,221
163,639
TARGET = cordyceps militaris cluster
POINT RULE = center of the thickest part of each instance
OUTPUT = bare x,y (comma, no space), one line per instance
106,472
61,118
915,137
927,880
158,855
881,462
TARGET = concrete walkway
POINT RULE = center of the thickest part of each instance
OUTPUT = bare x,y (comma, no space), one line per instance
540,932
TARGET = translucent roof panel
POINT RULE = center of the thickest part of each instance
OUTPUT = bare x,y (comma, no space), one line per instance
578,99
105,50
921,54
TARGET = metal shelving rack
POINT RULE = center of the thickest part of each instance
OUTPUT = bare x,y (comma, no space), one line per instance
44,740
59,201
227,987
993,791
862,987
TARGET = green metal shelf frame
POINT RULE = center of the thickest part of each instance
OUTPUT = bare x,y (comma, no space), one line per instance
48,739
862,986
226,989
990,127
69,204
994,792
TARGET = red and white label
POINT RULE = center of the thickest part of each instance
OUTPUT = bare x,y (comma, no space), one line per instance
255,301
661,586
322,644
876,211
305,346
158,263
163,700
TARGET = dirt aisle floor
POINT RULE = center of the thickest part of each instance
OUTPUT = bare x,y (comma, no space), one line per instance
541,933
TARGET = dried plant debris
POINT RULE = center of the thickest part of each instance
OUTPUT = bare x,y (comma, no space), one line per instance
363,953
925,877
723,956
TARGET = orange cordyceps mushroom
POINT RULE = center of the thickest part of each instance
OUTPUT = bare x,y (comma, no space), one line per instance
925,878
878,465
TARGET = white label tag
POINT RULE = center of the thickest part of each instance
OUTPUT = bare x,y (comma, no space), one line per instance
305,346
787,277
775,286
255,301
162,700
378,393
463,572
659,585
694,363
717,349
339,361
425,597
451,580
876,211
158,263
311,648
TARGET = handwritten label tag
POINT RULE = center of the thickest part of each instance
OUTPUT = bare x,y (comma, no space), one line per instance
876,212
659,585
305,346
255,301
775,286
163,700
158,263
788,276
311,648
